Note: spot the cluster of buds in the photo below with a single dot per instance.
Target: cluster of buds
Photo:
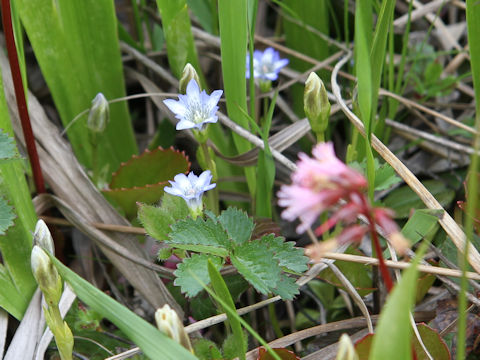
(324, 183)
(50, 284)
(170, 324)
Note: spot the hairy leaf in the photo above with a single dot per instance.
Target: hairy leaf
(157, 220)
(199, 235)
(286, 288)
(7, 146)
(257, 265)
(196, 264)
(287, 255)
(6, 216)
(237, 224)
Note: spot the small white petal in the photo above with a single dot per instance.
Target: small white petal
(193, 91)
(214, 98)
(176, 107)
(184, 124)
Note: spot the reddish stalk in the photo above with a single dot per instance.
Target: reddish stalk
(20, 97)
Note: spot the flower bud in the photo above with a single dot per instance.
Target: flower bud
(46, 275)
(188, 74)
(99, 114)
(43, 238)
(169, 323)
(346, 350)
(316, 103)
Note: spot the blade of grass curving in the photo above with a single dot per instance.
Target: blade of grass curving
(76, 45)
(221, 290)
(16, 244)
(178, 35)
(233, 45)
(363, 69)
(473, 26)
(232, 312)
(377, 56)
(153, 343)
(394, 342)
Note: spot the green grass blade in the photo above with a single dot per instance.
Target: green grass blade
(233, 36)
(16, 244)
(178, 34)
(221, 290)
(473, 28)
(153, 343)
(394, 342)
(76, 45)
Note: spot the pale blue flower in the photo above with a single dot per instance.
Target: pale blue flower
(191, 189)
(266, 64)
(196, 108)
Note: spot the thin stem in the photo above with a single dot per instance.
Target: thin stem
(20, 97)
(212, 195)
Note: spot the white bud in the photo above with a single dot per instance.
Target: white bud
(188, 74)
(346, 350)
(99, 114)
(46, 275)
(43, 238)
(169, 323)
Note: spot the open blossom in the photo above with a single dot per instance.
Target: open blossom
(317, 185)
(191, 189)
(195, 109)
(266, 64)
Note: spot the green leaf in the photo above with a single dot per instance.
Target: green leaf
(157, 220)
(178, 34)
(433, 342)
(403, 199)
(222, 292)
(143, 178)
(9, 296)
(6, 216)
(286, 288)
(76, 46)
(196, 264)
(257, 265)
(7, 146)
(237, 224)
(286, 253)
(207, 350)
(422, 223)
(199, 235)
(153, 343)
(394, 342)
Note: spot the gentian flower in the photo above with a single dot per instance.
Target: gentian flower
(266, 64)
(191, 189)
(195, 109)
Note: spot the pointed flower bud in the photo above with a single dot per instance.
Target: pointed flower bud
(346, 350)
(188, 74)
(43, 238)
(46, 275)
(169, 323)
(316, 103)
(99, 114)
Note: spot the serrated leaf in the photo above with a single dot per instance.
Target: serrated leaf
(207, 350)
(286, 288)
(164, 253)
(199, 235)
(7, 146)
(6, 216)
(143, 178)
(237, 224)
(284, 251)
(157, 220)
(196, 264)
(257, 265)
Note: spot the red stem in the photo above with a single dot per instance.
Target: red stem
(378, 249)
(20, 96)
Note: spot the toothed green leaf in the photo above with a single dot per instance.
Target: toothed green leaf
(6, 216)
(237, 224)
(257, 265)
(286, 288)
(287, 255)
(7, 146)
(199, 235)
(198, 265)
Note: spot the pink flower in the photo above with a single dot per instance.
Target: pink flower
(317, 185)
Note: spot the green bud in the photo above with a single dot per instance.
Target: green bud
(43, 238)
(169, 323)
(265, 86)
(99, 114)
(46, 275)
(188, 74)
(316, 103)
(346, 350)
